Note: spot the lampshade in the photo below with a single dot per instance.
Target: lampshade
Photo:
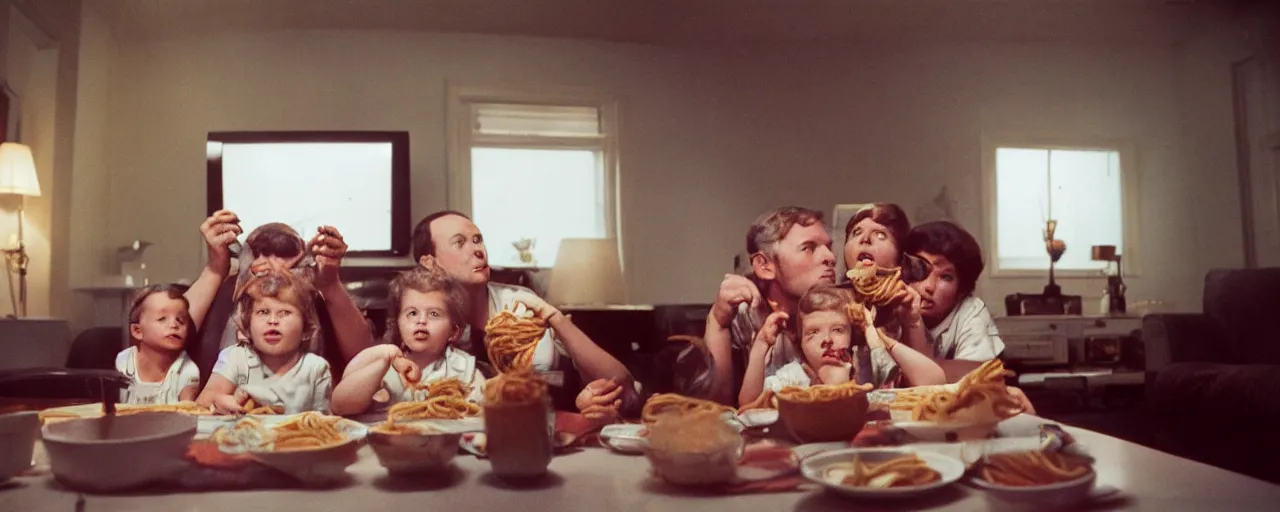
(1104, 253)
(18, 170)
(588, 271)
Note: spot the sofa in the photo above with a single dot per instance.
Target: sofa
(1213, 379)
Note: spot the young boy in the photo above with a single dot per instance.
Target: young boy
(159, 324)
(429, 319)
(273, 368)
(837, 337)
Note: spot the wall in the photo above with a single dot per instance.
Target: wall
(711, 136)
(31, 72)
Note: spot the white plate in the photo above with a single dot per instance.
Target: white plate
(624, 438)
(934, 432)
(949, 469)
(756, 418)
(205, 425)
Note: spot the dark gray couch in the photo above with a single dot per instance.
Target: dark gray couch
(1214, 378)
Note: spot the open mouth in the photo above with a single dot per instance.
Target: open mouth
(836, 356)
(421, 334)
(273, 336)
(865, 256)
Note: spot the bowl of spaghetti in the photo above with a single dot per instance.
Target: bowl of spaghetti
(1035, 478)
(823, 413)
(967, 410)
(413, 447)
(697, 448)
(313, 448)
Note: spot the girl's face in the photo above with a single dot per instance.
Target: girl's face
(275, 327)
(825, 338)
(870, 240)
(424, 321)
(940, 292)
(162, 325)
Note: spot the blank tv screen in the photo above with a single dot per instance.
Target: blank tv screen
(348, 185)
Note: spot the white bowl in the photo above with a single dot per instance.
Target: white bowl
(426, 451)
(118, 452)
(316, 466)
(695, 469)
(1065, 493)
(949, 470)
(624, 437)
(755, 418)
(954, 432)
(18, 434)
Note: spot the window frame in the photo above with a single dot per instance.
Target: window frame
(461, 139)
(1129, 196)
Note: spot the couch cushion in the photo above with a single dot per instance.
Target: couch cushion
(1239, 396)
(1240, 303)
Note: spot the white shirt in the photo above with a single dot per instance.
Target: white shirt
(455, 364)
(305, 387)
(181, 375)
(790, 374)
(968, 333)
(874, 366)
(503, 296)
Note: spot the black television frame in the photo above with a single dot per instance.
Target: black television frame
(400, 192)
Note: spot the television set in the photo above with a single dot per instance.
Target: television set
(357, 182)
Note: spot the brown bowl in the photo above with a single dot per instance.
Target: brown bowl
(827, 421)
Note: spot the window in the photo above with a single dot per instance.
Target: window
(533, 167)
(1085, 188)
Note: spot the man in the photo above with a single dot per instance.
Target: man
(276, 247)
(790, 252)
(449, 242)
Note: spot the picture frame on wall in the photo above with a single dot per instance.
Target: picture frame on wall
(840, 216)
(9, 113)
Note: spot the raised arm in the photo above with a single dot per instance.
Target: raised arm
(220, 231)
(349, 324)
(734, 290)
(753, 380)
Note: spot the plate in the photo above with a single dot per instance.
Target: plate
(1058, 494)
(624, 438)
(949, 469)
(934, 432)
(756, 418)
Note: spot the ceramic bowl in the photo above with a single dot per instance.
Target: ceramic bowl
(118, 452)
(697, 468)
(1038, 497)
(18, 434)
(830, 420)
(423, 450)
(318, 466)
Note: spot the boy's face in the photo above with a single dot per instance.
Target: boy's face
(825, 338)
(162, 324)
(940, 291)
(275, 327)
(424, 322)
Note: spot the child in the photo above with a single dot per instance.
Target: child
(838, 342)
(429, 318)
(159, 325)
(276, 314)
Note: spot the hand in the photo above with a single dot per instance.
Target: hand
(734, 290)
(329, 249)
(832, 374)
(390, 352)
(598, 398)
(406, 369)
(869, 316)
(1021, 398)
(908, 307)
(230, 404)
(768, 333)
(535, 305)
(220, 231)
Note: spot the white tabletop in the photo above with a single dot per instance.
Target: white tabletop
(597, 479)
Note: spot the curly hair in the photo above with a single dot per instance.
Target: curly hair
(284, 288)
(423, 280)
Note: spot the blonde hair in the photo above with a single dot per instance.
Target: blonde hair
(284, 288)
(423, 280)
(829, 298)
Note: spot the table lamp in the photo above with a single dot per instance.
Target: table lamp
(588, 272)
(18, 177)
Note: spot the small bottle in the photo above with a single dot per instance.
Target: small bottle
(1106, 302)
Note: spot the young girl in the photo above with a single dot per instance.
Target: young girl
(276, 314)
(159, 325)
(429, 319)
(837, 337)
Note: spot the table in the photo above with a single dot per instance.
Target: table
(597, 479)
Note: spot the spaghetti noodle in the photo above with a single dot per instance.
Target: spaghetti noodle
(511, 338)
(664, 404)
(822, 392)
(520, 387)
(986, 383)
(251, 407)
(873, 285)
(446, 399)
(309, 430)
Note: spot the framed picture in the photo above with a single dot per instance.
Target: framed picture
(9, 113)
(839, 217)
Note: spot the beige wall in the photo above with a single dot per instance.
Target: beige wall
(716, 135)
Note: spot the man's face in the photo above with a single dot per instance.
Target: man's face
(460, 251)
(802, 260)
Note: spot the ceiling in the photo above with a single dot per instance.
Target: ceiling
(678, 21)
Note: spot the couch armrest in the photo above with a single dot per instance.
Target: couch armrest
(1180, 338)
